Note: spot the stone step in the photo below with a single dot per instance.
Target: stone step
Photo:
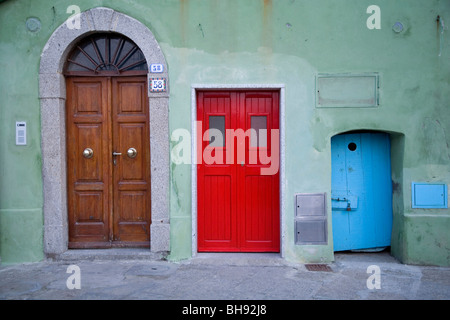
(109, 254)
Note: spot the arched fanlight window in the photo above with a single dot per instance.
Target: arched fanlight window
(106, 54)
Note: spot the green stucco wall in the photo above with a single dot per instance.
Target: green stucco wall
(21, 218)
(244, 42)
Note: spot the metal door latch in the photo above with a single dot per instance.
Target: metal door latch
(351, 202)
(114, 157)
(339, 199)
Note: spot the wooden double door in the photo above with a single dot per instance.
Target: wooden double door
(238, 185)
(108, 162)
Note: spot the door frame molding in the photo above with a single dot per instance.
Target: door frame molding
(236, 87)
(52, 96)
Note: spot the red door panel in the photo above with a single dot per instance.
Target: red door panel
(238, 206)
(217, 228)
(259, 201)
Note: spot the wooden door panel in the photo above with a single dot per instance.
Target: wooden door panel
(361, 180)
(109, 204)
(87, 178)
(131, 98)
(89, 206)
(132, 224)
(132, 135)
(132, 197)
(86, 135)
(88, 97)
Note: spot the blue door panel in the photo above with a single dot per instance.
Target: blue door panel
(381, 189)
(361, 191)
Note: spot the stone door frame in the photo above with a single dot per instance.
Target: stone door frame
(52, 96)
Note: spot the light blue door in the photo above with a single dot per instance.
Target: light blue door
(361, 191)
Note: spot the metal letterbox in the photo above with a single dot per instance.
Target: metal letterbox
(310, 205)
(310, 219)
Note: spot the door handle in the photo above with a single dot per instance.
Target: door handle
(114, 156)
(132, 153)
(88, 153)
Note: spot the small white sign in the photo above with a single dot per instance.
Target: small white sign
(157, 85)
(156, 68)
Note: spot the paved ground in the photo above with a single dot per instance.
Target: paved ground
(224, 277)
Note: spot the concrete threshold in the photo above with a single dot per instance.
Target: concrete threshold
(109, 254)
(209, 258)
(237, 259)
(213, 258)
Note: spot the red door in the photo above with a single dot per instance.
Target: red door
(237, 174)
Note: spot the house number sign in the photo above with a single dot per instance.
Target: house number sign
(156, 68)
(157, 85)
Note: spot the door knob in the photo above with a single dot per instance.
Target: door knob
(132, 153)
(88, 153)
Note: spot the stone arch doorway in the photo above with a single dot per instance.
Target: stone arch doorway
(108, 147)
(52, 94)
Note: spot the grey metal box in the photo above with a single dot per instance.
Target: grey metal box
(311, 231)
(310, 204)
(311, 219)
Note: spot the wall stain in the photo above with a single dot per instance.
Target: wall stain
(53, 18)
(267, 23)
(396, 187)
(175, 185)
(183, 20)
(201, 29)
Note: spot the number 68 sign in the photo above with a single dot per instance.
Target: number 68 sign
(157, 85)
